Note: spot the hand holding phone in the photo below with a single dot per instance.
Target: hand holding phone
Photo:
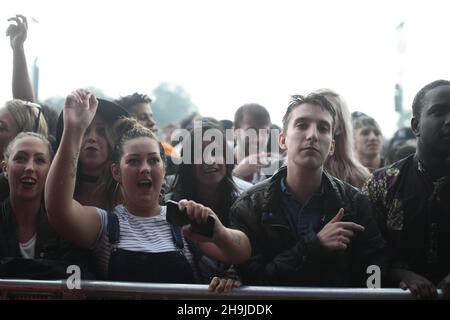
(180, 218)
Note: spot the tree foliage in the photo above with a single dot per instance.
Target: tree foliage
(171, 104)
(57, 102)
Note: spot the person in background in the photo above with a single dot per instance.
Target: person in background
(368, 142)
(252, 129)
(20, 116)
(21, 83)
(343, 164)
(139, 107)
(411, 199)
(196, 127)
(94, 184)
(210, 183)
(14, 116)
(402, 144)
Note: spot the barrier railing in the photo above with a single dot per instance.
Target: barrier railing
(31, 289)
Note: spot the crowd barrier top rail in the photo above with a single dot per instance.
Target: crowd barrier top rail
(11, 288)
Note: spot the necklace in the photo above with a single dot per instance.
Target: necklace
(86, 178)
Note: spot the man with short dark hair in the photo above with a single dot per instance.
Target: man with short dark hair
(411, 199)
(139, 107)
(307, 228)
(252, 128)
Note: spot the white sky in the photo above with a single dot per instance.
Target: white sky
(229, 52)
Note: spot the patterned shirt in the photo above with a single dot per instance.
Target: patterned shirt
(413, 212)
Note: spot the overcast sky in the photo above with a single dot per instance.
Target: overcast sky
(230, 52)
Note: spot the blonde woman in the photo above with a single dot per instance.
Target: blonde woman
(343, 164)
(29, 247)
(20, 116)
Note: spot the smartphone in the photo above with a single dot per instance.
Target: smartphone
(180, 218)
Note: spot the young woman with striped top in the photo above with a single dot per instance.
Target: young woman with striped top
(135, 242)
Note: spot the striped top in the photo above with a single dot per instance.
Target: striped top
(140, 234)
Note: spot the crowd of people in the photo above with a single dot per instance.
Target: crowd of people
(314, 202)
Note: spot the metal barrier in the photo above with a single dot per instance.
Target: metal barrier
(44, 290)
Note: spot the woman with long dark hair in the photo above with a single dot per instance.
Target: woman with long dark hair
(210, 184)
(208, 181)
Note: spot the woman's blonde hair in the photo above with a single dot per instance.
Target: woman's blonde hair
(343, 164)
(23, 135)
(28, 116)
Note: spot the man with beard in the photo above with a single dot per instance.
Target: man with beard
(411, 199)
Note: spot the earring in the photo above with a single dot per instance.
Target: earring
(115, 188)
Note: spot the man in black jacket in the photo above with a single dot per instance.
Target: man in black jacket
(306, 227)
(411, 199)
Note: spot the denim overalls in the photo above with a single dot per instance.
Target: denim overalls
(164, 267)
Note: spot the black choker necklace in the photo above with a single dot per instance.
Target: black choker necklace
(86, 178)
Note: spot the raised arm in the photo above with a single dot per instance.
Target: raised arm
(79, 224)
(21, 83)
(227, 245)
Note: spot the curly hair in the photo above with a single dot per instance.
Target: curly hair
(131, 100)
(417, 105)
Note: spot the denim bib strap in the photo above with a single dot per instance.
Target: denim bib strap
(113, 228)
(177, 236)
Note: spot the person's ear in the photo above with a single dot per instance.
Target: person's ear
(415, 127)
(115, 170)
(282, 141)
